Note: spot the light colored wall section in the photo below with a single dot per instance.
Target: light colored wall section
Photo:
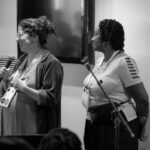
(8, 22)
(73, 113)
(134, 15)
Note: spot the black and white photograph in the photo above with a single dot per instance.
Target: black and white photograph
(74, 74)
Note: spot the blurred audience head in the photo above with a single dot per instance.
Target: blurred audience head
(14, 143)
(60, 139)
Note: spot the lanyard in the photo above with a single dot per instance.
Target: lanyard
(99, 69)
(99, 64)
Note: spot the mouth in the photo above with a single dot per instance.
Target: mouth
(21, 46)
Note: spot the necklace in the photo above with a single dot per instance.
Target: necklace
(102, 66)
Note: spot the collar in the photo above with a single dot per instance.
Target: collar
(101, 59)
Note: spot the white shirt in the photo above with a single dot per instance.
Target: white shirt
(117, 74)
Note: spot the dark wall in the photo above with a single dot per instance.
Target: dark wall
(71, 43)
(33, 8)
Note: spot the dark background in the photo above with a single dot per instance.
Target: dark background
(68, 47)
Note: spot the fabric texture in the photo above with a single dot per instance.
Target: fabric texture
(120, 72)
(101, 136)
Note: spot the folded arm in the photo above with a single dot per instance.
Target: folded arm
(140, 96)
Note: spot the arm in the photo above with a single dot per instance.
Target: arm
(22, 87)
(49, 82)
(7, 72)
(140, 96)
(129, 76)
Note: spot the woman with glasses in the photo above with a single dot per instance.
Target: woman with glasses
(36, 82)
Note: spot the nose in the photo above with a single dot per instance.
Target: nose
(18, 38)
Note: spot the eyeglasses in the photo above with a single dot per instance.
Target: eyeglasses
(22, 36)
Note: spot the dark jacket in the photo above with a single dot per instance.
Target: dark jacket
(49, 78)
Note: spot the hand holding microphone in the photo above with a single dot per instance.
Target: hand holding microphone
(5, 71)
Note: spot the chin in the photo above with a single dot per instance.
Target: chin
(22, 50)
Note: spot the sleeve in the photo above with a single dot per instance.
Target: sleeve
(128, 72)
(50, 91)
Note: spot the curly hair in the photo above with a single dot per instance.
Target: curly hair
(60, 139)
(113, 32)
(40, 27)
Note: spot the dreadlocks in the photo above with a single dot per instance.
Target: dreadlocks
(113, 32)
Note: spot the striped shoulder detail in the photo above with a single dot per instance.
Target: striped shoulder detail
(132, 67)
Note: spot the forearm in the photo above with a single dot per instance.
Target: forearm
(140, 96)
(33, 93)
(142, 107)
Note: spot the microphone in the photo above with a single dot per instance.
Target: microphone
(84, 61)
(85, 58)
(87, 66)
(8, 63)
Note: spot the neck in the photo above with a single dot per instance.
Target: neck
(34, 51)
(33, 54)
(108, 53)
